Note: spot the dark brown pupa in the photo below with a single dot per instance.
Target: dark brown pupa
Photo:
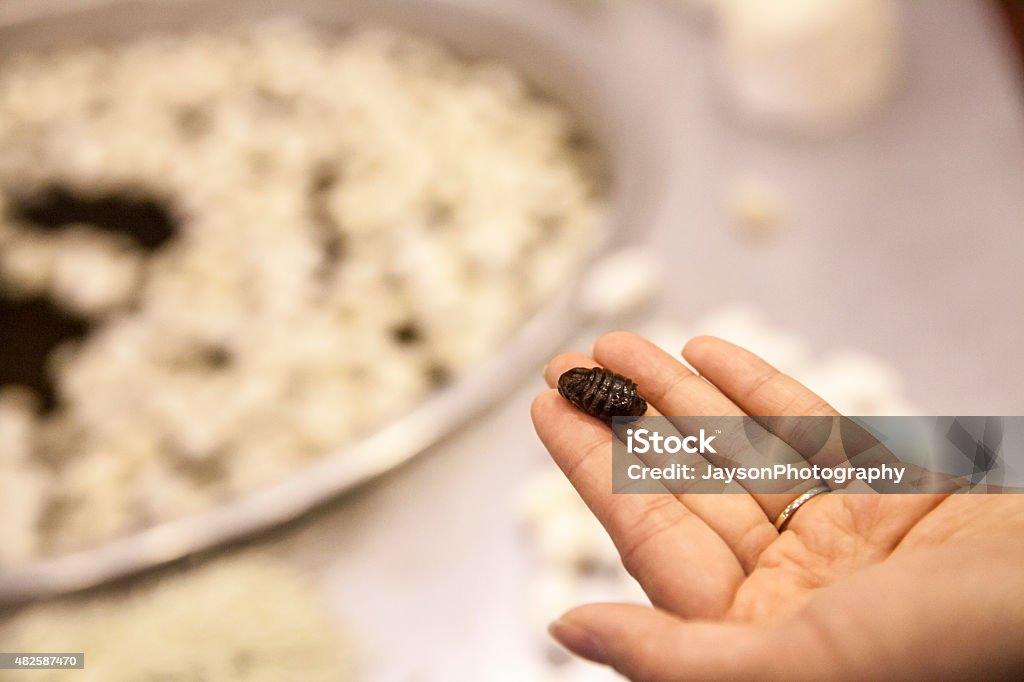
(601, 393)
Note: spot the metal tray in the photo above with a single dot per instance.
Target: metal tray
(565, 54)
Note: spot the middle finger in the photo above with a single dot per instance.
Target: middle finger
(678, 392)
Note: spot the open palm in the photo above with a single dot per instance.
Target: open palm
(858, 585)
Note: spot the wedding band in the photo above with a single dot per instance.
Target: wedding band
(787, 513)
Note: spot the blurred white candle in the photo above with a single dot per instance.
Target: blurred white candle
(812, 66)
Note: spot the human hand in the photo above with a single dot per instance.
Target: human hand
(857, 586)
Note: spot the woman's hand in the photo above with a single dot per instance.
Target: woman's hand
(858, 585)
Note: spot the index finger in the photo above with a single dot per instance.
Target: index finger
(666, 547)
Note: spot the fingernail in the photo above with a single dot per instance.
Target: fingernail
(578, 641)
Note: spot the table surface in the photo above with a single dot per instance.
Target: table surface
(902, 238)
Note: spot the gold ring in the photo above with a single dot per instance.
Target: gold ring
(786, 514)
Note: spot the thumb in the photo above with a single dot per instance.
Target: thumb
(652, 646)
